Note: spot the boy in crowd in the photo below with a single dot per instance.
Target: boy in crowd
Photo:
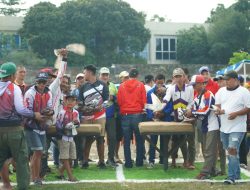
(39, 99)
(67, 121)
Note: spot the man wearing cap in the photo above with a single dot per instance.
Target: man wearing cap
(132, 100)
(233, 104)
(123, 76)
(38, 98)
(93, 95)
(201, 109)
(12, 139)
(110, 115)
(182, 96)
(211, 85)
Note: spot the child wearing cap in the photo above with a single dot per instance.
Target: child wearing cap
(67, 121)
(39, 99)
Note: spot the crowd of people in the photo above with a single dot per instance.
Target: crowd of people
(217, 107)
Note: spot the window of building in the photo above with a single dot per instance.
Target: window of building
(165, 48)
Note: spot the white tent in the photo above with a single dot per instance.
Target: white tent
(242, 68)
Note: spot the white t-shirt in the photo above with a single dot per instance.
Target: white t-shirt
(232, 101)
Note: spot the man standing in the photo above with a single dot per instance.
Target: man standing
(110, 116)
(211, 85)
(203, 101)
(93, 94)
(132, 99)
(20, 76)
(182, 96)
(12, 139)
(233, 102)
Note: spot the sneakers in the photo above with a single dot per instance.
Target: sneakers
(111, 163)
(38, 182)
(150, 165)
(101, 165)
(202, 176)
(85, 165)
(229, 181)
(244, 166)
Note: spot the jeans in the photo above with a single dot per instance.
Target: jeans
(154, 139)
(232, 140)
(129, 127)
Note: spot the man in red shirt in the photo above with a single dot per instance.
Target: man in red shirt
(211, 85)
(131, 100)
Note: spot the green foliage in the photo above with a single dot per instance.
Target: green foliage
(228, 32)
(107, 28)
(7, 8)
(227, 35)
(193, 46)
(239, 56)
(23, 57)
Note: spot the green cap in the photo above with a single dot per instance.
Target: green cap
(230, 74)
(7, 69)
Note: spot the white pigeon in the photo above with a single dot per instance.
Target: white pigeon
(156, 105)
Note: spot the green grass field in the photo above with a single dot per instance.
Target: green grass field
(137, 173)
(144, 186)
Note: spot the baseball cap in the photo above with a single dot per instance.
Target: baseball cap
(79, 75)
(123, 74)
(218, 77)
(203, 68)
(230, 74)
(49, 71)
(42, 76)
(7, 69)
(178, 72)
(104, 70)
(241, 79)
(70, 95)
(197, 79)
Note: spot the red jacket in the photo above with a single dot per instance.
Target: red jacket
(131, 97)
(212, 86)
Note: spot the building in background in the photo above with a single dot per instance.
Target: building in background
(161, 48)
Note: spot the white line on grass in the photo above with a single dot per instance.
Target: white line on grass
(244, 171)
(119, 173)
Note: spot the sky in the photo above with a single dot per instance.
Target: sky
(192, 11)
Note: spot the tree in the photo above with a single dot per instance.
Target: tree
(8, 7)
(193, 46)
(227, 35)
(109, 29)
(239, 56)
(157, 18)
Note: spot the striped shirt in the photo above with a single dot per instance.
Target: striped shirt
(180, 98)
(201, 110)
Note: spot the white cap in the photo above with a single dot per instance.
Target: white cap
(123, 74)
(79, 75)
(104, 70)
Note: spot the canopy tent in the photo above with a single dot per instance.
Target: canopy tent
(242, 68)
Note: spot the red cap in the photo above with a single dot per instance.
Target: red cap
(197, 79)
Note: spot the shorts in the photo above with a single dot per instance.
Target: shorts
(101, 121)
(67, 150)
(35, 141)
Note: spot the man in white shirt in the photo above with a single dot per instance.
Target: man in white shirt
(233, 102)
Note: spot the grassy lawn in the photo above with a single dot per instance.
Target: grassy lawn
(144, 186)
(143, 173)
(172, 173)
